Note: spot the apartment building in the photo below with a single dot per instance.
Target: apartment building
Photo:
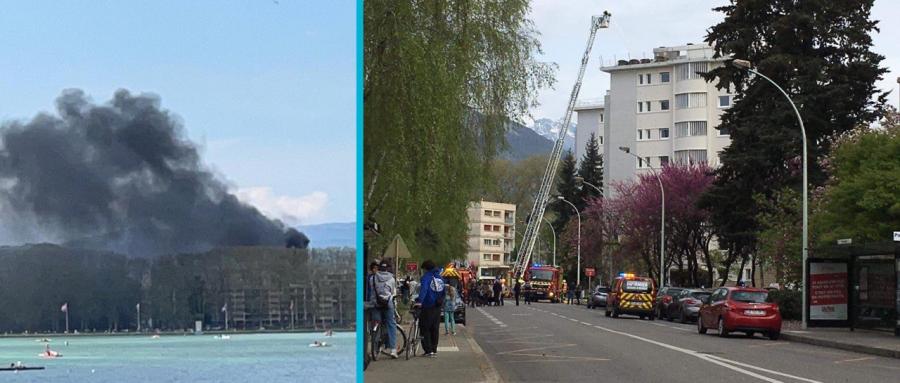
(662, 109)
(590, 120)
(492, 237)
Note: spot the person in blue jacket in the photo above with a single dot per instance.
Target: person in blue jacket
(431, 299)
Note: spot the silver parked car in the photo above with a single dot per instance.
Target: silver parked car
(598, 297)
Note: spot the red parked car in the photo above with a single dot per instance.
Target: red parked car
(740, 309)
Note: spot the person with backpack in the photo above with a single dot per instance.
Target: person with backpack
(431, 299)
(384, 288)
(528, 292)
(517, 289)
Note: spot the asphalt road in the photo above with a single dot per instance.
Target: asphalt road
(547, 342)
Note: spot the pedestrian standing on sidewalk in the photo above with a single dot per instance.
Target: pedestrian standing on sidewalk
(449, 309)
(516, 289)
(431, 299)
(473, 293)
(498, 291)
(384, 288)
(570, 294)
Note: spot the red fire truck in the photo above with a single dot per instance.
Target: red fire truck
(545, 282)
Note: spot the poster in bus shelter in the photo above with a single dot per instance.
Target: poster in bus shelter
(828, 291)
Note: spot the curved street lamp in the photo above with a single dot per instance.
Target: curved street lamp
(662, 208)
(578, 214)
(746, 65)
(554, 239)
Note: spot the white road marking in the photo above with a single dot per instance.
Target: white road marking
(447, 348)
(491, 318)
(854, 360)
(730, 364)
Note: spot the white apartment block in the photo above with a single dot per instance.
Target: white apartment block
(492, 237)
(662, 109)
(590, 120)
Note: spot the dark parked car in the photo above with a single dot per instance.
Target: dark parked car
(687, 305)
(598, 297)
(664, 298)
(741, 309)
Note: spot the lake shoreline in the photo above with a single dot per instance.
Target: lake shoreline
(173, 333)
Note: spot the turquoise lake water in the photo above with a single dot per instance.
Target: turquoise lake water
(175, 358)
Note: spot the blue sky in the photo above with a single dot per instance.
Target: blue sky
(265, 88)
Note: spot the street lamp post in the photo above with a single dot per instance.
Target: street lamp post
(581, 180)
(552, 230)
(662, 225)
(578, 214)
(744, 64)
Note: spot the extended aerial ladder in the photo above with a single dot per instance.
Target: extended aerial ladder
(540, 201)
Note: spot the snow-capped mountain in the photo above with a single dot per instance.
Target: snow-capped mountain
(549, 129)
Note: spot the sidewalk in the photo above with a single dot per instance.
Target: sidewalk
(458, 357)
(879, 343)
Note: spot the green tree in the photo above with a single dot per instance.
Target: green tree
(441, 80)
(591, 169)
(862, 198)
(566, 187)
(819, 51)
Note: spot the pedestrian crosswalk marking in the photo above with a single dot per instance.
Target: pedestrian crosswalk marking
(447, 348)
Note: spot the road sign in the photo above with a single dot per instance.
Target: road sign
(589, 271)
(897, 236)
(411, 266)
(845, 241)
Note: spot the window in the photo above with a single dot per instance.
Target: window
(648, 78)
(488, 242)
(601, 118)
(496, 228)
(496, 213)
(663, 160)
(496, 257)
(663, 104)
(690, 100)
(690, 128)
(487, 213)
(486, 257)
(724, 101)
(664, 133)
(689, 71)
(723, 131)
(487, 227)
(643, 163)
(641, 79)
(643, 134)
(690, 157)
(663, 76)
(600, 140)
(640, 107)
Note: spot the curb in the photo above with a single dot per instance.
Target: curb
(487, 369)
(842, 346)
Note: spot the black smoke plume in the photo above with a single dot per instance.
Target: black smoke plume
(121, 177)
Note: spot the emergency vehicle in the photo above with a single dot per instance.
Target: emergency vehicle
(632, 295)
(545, 282)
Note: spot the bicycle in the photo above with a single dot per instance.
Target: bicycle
(380, 337)
(414, 337)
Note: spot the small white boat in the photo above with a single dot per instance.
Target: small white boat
(319, 344)
(155, 336)
(43, 340)
(224, 337)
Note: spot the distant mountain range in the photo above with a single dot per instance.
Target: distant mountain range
(330, 234)
(524, 141)
(549, 129)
